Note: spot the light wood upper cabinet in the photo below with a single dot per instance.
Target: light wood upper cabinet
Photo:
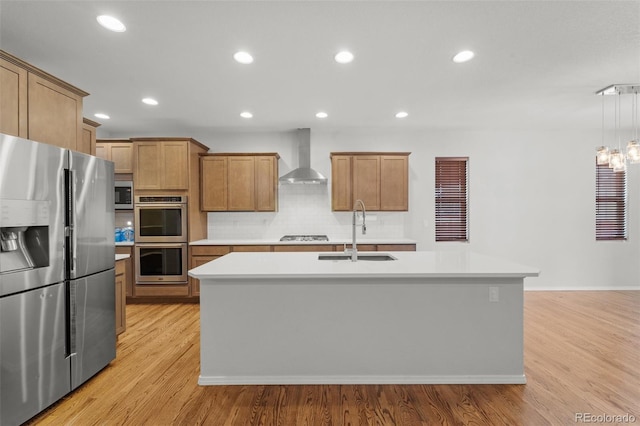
(55, 114)
(213, 190)
(13, 99)
(394, 182)
(88, 143)
(160, 165)
(239, 182)
(120, 151)
(341, 183)
(380, 180)
(38, 106)
(266, 183)
(366, 180)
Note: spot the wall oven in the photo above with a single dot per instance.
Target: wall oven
(158, 263)
(161, 219)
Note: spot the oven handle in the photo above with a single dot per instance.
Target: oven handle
(161, 245)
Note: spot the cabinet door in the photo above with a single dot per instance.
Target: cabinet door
(175, 161)
(266, 183)
(102, 151)
(147, 173)
(55, 114)
(121, 153)
(121, 295)
(366, 180)
(394, 193)
(13, 100)
(241, 184)
(213, 188)
(88, 143)
(341, 197)
(195, 262)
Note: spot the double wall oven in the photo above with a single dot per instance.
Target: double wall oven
(161, 239)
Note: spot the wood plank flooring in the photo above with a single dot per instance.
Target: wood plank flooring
(582, 355)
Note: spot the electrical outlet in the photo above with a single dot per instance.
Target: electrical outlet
(494, 294)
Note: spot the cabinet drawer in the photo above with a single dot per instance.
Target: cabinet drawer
(251, 248)
(396, 247)
(210, 250)
(318, 247)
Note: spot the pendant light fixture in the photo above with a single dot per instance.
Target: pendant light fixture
(615, 157)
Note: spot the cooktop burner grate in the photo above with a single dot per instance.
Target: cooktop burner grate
(304, 238)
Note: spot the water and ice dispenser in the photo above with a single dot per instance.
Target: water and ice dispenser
(24, 235)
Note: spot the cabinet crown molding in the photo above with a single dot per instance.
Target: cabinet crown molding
(368, 153)
(41, 73)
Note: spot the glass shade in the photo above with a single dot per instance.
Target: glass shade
(633, 152)
(602, 155)
(617, 161)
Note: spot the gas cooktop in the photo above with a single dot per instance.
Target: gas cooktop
(304, 238)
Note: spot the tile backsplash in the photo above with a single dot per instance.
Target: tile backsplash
(303, 209)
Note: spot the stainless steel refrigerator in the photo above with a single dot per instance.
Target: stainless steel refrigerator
(57, 277)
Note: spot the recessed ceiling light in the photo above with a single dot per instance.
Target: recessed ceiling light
(111, 23)
(150, 101)
(322, 114)
(402, 114)
(243, 57)
(464, 56)
(344, 57)
(101, 115)
(246, 114)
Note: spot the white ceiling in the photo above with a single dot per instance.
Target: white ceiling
(537, 64)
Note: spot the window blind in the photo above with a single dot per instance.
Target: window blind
(451, 199)
(611, 204)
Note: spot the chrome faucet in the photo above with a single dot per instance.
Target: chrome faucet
(354, 247)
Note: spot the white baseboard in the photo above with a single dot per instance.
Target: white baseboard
(360, 380)
(616, 288)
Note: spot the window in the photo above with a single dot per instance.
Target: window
(451, 199)
(611, 204)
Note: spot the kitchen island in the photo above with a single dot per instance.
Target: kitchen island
(426, 317)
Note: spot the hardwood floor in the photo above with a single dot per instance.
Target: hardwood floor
(582, 355)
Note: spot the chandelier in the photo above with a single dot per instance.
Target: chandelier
(616, 157)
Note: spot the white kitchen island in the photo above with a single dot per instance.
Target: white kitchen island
(427, 317)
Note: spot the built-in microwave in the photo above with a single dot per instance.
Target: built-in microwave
(124, 195)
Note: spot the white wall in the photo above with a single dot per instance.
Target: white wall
(531, 198)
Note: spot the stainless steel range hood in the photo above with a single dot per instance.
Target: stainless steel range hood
(304, 173)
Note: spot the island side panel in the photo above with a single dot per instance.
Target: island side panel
(361, 330)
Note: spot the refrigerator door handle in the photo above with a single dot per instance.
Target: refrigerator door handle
(71, 314)
(69, 179)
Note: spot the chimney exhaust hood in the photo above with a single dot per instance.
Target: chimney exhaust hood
(304, 174)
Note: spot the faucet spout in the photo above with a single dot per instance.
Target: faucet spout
(354, 246)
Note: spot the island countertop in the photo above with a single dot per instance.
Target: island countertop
(434, 264)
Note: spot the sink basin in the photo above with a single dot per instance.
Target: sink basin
(379, 257)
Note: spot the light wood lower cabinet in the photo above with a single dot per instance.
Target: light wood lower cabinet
(199, 255)
(122, 282)
(130, 267)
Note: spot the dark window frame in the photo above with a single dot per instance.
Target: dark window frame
(611, 204)
(452, 199)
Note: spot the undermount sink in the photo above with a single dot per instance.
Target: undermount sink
(362, 256)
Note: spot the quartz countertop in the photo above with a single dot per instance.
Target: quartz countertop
(276, 241)
(416, 264)
(124, 243)
(122, 256)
